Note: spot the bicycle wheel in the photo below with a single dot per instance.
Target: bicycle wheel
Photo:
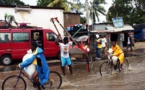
(105, 68)
(125, 65)
(14, 83)
(54, 82)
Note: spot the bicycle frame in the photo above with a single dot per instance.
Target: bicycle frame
(19, 75)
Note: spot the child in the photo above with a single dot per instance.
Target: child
(64, 50)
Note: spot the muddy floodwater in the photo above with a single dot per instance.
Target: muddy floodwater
(133, 79)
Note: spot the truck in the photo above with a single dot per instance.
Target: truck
(139, 32)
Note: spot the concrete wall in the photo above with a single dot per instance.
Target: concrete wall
(39, 17)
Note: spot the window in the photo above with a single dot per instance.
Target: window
(50, 36)
(5, 37)
(20, 37)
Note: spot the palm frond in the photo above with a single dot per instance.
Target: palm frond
(97, 15)
(100, 11)
(65, 6)
(76, 5)
(53, 3)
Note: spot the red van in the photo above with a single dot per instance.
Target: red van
(14, 43)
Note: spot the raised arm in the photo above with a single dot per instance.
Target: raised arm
(58, 39)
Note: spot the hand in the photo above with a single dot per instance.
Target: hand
(111, 56)
(59, 35)
(18, 66)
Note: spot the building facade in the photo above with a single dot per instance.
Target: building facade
(35, 16)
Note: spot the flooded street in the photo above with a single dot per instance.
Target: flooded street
(133, 79)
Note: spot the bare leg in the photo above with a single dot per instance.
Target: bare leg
(70, 69)
(63, 70)
(34, 78)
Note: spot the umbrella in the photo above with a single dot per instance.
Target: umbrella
(82, 38)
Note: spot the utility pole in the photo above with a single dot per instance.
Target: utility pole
(87, 11)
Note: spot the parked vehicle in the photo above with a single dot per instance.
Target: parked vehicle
(139, 35)
(14, 43)
(139, 32)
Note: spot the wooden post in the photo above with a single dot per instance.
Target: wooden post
(52, 19)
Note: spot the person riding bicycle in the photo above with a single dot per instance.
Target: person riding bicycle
(42, 69)
(117, 51)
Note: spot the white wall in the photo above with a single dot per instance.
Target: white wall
(36, 17)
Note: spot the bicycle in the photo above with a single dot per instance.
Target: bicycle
(107, 66)
(17, 82)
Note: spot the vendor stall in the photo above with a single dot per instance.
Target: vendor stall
(114, 34)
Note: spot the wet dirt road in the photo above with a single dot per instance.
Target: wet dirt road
(134, 79)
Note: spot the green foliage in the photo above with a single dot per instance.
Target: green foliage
(68, 6)
(96, 9)
(11, 2)
(83, 20)
(43, 3)
(59, 4)
(129, 11)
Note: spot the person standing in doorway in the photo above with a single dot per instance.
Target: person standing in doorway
(129, 42)
(98, 46)
(38, 40)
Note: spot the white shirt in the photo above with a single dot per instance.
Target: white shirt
(104, 41)
(64, 49)
(128, 42)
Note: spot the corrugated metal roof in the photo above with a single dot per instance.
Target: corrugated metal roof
(110, 28)
(125, 28)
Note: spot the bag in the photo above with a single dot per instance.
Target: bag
(31, 68)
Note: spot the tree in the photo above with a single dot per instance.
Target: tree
(68, 6)
(74, 5)
(119, 9)
(59, 4)
(43, 3)
(11, 2)
(95, 9)
(140, 4)
(83, 20)
(132, 11)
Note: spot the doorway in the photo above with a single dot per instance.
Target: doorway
(37, 36)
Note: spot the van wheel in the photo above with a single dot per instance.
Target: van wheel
(58, 55)
(6, 60)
